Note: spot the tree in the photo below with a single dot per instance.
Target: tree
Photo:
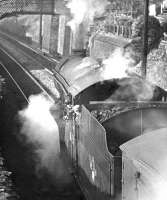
(155, 33)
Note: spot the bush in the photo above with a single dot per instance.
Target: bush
(155, 31)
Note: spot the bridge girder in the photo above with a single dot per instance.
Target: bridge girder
(22, 7)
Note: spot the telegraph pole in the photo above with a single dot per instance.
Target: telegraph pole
(40, 25)
(16, 7)
(145, 39)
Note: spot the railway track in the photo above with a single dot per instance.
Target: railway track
(35, 54)
(31, 59)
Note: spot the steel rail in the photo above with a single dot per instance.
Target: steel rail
(25, 72)
(54, 73)
(15, 82)
(57, 76)
(23, 45)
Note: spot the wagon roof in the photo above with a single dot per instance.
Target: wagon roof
(149, 151)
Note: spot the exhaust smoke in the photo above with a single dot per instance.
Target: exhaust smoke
(84, 11)
(41, 131)
(133, 89)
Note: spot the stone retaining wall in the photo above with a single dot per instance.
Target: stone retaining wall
(103, 46)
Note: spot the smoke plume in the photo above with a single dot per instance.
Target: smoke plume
(41, 130)
(83, 11)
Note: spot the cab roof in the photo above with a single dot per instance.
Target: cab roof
(80, 73)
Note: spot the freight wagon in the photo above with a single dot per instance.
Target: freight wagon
(97, 125)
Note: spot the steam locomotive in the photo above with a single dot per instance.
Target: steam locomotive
(99, 124)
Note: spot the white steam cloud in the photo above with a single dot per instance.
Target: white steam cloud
(116, 65)
(84, 11)
(132, 87)
(41, 130)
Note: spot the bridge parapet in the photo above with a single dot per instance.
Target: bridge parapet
(14, 7)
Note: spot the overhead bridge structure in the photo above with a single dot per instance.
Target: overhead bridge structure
(47, 29)
(16, 7)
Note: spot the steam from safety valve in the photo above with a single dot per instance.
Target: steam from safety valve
(41, 130)
(122, 66)
(116, 65)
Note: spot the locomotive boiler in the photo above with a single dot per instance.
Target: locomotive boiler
(99, 119)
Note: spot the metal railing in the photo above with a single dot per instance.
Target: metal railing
(119, 30)
(10, 7)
